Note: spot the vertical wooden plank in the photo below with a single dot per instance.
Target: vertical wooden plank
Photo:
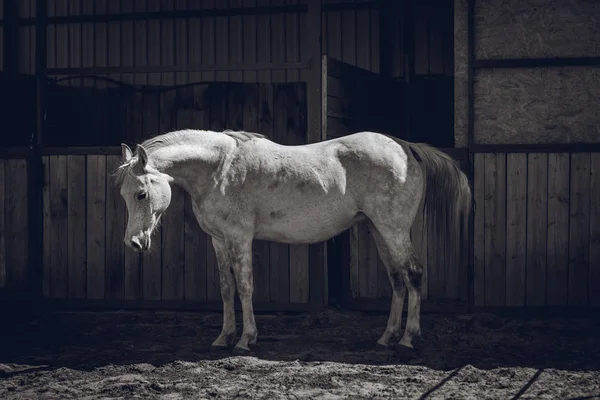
(494, 229)
(96, 226)
(263, 37)
(113, 47)
(47, 229)
(208, 42)
(235, 41)
(537, 212)
(2, 224)
(181, 52)
(75, 56)
(557, 255)
(292, 42)
(262, 116)
(121, 281)
(221, 44)
(594, 279)
(100, 38)
(58, 212)
(87, 36)
(194, 41)
(77, 279)
(280, 281)
(51, 36)
(250, 44)
(516, 225)
(15, 221)
(127, 44)
(479, 230)
(579, 229)
(62, 36)
(278, 42)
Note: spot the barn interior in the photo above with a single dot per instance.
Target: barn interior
(508, 89)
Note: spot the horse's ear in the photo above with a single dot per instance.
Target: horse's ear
(127, 153)
(142, 156)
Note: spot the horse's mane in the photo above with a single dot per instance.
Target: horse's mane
(160, 140)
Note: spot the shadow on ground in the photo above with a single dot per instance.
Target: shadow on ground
(86, 341)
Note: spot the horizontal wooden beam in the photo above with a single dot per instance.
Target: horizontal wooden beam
(176, 68)
(215, 12)
(537, 62)
(536, 148)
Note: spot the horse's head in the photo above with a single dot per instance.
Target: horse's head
(147, 194)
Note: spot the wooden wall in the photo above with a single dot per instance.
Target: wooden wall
(13, 224)
(84, 215)
(536, 229)
(535, 144)
(351, 36)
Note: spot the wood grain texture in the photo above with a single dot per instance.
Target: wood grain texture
(516, 229)
(59, 253)
(122, 280)
(557, 258)
(96, 226)
(579, 229)
(495, 229)
(537, 213)
(76, 223)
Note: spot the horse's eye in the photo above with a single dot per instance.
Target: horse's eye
(141, 196)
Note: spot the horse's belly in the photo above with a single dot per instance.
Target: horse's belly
(306, 224)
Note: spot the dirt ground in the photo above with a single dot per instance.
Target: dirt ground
(326, 355)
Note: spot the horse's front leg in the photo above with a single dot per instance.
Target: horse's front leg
(227, 283)
(241, 256)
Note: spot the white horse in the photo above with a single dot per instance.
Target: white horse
(244, 187)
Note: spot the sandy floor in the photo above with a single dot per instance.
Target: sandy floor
(329, 355)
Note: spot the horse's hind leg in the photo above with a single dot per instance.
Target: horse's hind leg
(394, 323)
(405, 273)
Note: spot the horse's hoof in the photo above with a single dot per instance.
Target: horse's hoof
(404, 353)
(240, 351)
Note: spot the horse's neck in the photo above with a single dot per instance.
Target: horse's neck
(191, 165)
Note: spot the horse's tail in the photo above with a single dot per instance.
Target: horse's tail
(447, 193)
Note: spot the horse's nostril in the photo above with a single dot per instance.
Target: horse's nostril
(136, 244)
